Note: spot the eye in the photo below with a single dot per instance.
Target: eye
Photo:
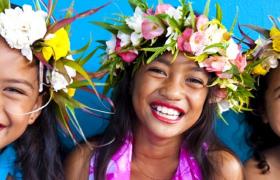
(195, 82)
(14, 90)
(157, 71)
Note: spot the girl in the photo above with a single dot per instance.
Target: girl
(169, 68)
(35, 78)
(265, 118)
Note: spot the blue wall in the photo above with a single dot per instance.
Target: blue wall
(250, 12)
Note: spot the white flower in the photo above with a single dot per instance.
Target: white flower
(223, 106)
(22, 27)
(260, 44)
(175, 13)
(232, 50)
(58, 81)
(272, 62)
(135, 21)
(125, 38)
(136, 38)
(111, 45)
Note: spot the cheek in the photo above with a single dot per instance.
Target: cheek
(11, 133)
(274, 117)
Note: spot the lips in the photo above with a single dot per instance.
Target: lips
(166, 112)
(2, 126)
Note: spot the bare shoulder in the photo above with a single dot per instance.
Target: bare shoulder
(76, 165)
(229, 167)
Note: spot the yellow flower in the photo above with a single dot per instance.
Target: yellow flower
(71, 92)
(275, 36)
(259, 70)
(57, 46)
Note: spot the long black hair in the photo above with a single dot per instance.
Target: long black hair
(261, 136)
(38, 151)
(124, 120)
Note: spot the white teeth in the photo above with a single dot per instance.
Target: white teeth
(164, 111)
(171, 117)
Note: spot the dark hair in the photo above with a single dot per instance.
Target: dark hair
(261, 136)
(124, 120)
(38, 155)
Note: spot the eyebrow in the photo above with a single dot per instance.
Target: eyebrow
(276, 89)
(167, 62)
(19, 81)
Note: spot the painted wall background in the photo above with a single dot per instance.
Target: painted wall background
(249, 12)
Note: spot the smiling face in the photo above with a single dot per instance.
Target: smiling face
(272, 101)
(167, 97)
(18, 94)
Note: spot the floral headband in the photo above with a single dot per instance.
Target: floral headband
(170, 29)
(39, 37)
(265, 51)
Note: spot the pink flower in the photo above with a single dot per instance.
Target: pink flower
(197, 41)
(216, 64)
(219, 94)
(183, 41)
(150, 11)
(201, 22)
(151, 30)
(240, 62)
(127, 56)
(163, 8)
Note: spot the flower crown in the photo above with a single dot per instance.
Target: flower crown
(170, 29)
(265, 51)
(39, 37)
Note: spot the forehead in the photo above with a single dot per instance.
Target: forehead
(274, 79)
(14, 65)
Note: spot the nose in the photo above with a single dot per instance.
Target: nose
(172, 89)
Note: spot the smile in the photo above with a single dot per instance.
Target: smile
(167, 113)
(2, 126)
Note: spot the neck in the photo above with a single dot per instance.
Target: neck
(152, 154)
(148, 146)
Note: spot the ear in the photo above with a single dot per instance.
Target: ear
(33, 116)
(265, 118)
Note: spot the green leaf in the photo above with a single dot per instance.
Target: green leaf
(206, 8)
(219, 13)
(140, 3)
(4, 4)
(234, 21)
(106, 26)
(88, 57)
(82, 49)
(160, 51)
(192, 15)
(79, 84)
(218, 45)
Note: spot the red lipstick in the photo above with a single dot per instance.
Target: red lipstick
(163, 118)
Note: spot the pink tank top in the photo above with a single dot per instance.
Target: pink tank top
(119, 166)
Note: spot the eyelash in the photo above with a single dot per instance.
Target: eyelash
(191, 79)
(157, 70)
(14, 90)
(195, 80)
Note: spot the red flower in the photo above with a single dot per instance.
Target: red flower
(127, 56)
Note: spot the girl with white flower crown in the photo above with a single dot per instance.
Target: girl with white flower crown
(169, 68)
(38, 79)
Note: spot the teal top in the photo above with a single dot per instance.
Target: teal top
(7, 164)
